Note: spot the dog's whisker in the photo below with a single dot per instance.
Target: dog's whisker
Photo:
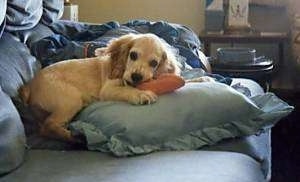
(125, 83)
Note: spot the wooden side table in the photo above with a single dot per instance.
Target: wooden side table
(278, 38)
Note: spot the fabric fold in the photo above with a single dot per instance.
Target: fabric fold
(52, 11)
(17, 65)
(23, 15)
(83, 36)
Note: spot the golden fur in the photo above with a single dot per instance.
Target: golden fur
(62, 89)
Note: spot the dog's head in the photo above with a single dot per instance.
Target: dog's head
(138, 58)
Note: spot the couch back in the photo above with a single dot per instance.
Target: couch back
(22, 23)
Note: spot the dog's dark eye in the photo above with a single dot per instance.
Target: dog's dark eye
(153, 63)
(133, 56)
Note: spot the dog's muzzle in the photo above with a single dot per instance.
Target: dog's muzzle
(136, 78)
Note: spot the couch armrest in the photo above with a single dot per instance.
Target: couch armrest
(12, 137)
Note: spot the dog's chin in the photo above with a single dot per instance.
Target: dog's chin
(128, 83)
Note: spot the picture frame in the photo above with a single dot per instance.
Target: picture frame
(238, 14)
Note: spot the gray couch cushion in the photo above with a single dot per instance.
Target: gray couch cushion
(16, 66)
(12, 138)
(256, 146)
(191, 166)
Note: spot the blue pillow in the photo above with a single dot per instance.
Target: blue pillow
(196, 115)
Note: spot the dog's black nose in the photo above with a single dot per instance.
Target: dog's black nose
(136, 77)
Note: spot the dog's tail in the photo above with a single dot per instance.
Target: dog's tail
(24, 93)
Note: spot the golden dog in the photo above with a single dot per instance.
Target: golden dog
(62, 89)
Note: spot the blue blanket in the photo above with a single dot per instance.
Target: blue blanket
(74, 40)
(23, 15)
(52, 11)
(71, 38)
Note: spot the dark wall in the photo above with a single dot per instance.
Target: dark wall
(268, 18)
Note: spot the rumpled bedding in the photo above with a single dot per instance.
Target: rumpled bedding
(52, 11)
(29, 20)
(78, 40)
(72, 39)
(22, 15)
(33, 35)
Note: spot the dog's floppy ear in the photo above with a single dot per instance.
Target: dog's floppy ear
(118, 50)
(167, 64)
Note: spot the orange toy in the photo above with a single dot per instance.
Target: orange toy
(165, 83)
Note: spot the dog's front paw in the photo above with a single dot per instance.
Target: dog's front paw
(202, 79)
(143, 97)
